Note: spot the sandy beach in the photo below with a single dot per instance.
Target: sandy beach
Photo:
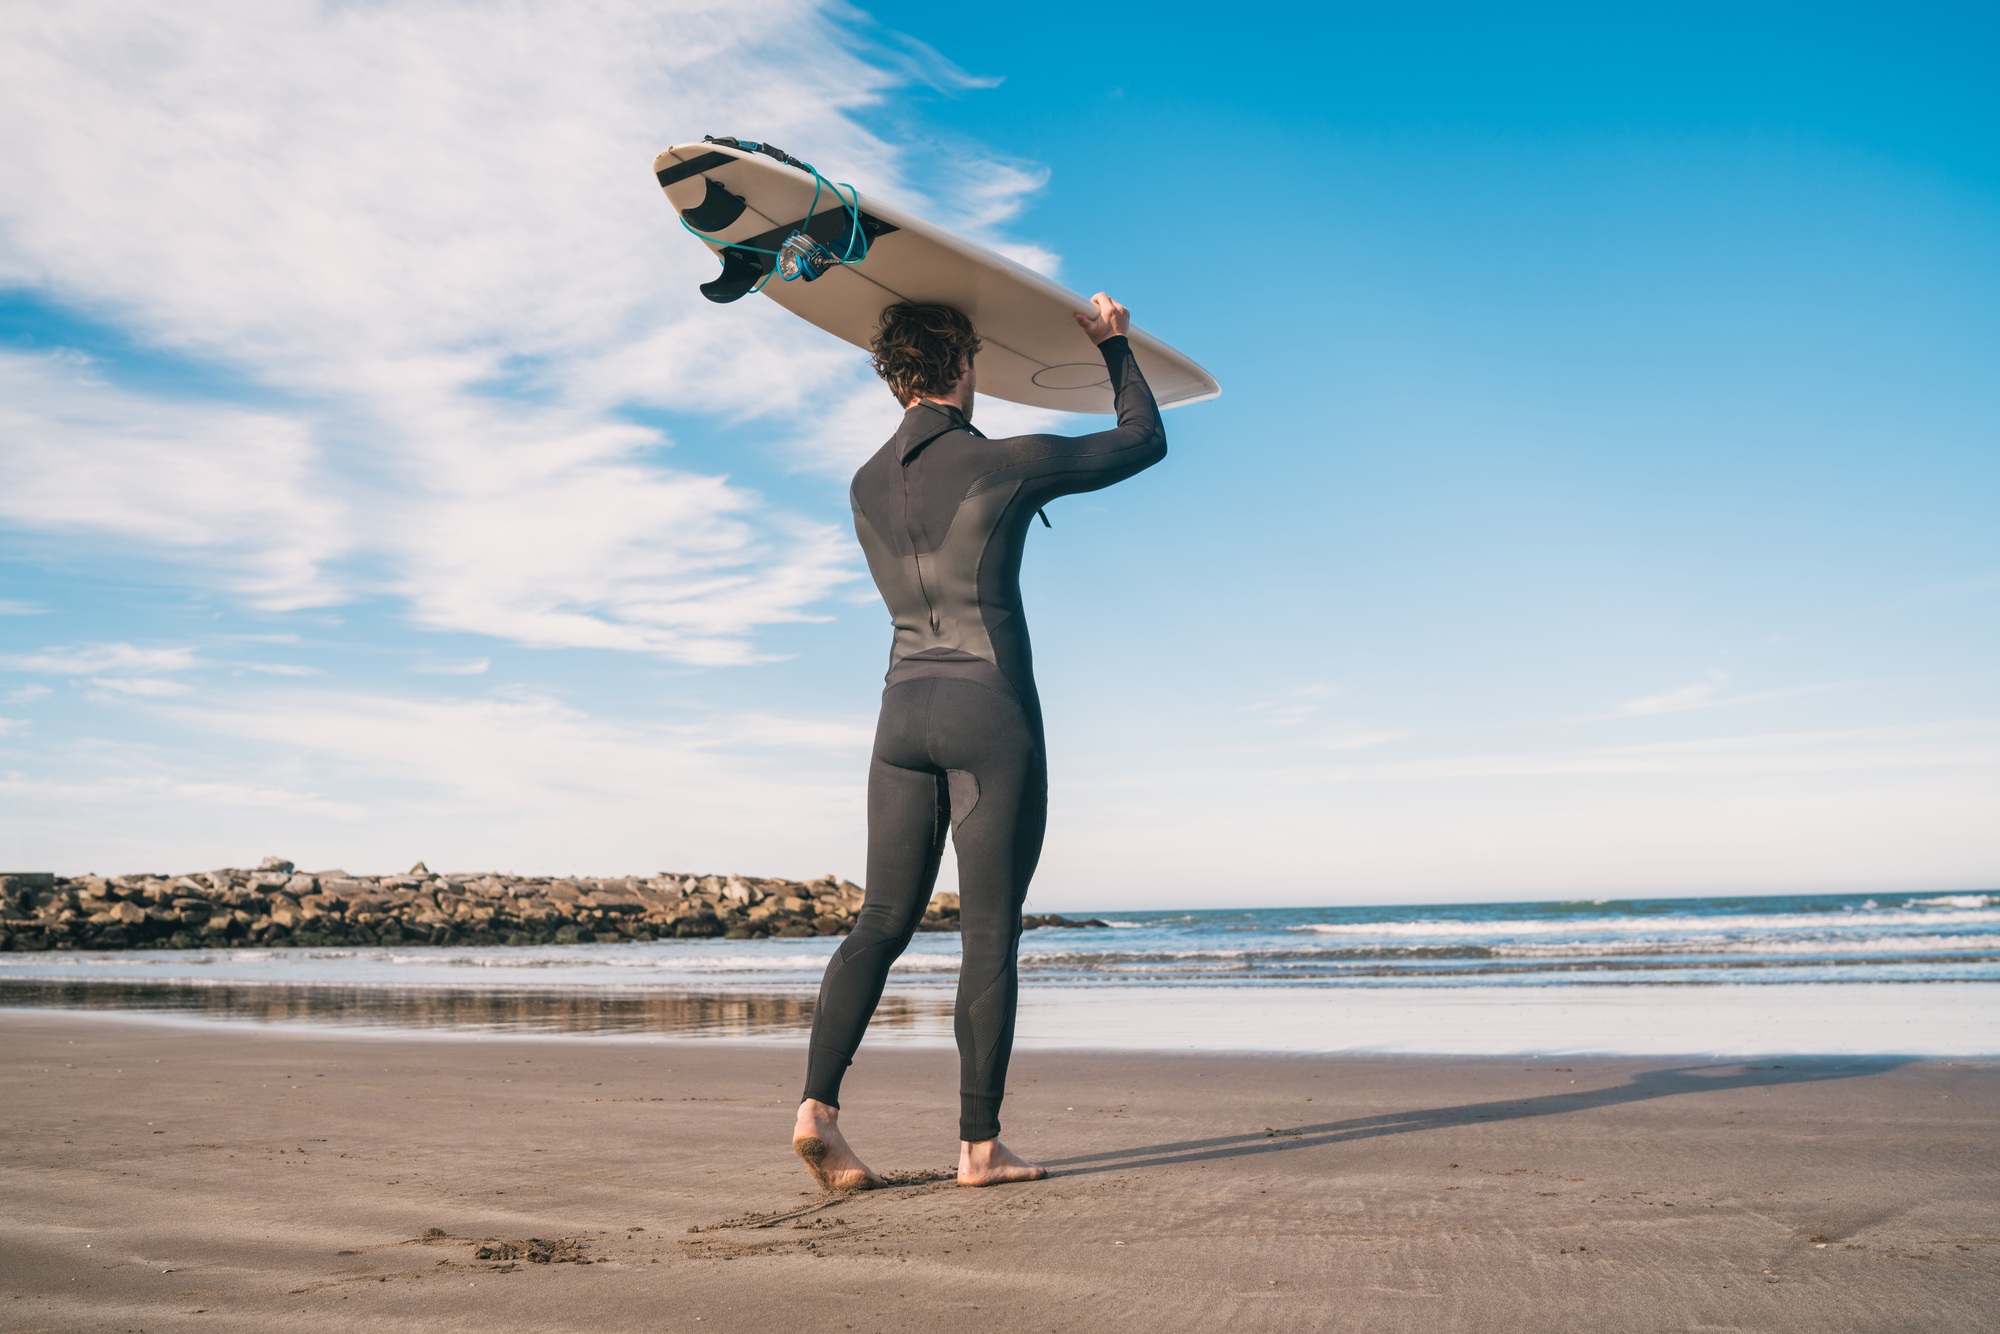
(192, 1176)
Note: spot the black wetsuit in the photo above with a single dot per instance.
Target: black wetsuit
(943, 515)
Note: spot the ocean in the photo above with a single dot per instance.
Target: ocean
(1916, 973)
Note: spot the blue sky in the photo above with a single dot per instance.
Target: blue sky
(1600, 502)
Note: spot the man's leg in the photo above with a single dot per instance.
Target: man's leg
(906, 824)
(907, 820)
(997, 783)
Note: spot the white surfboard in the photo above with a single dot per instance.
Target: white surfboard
(744, 201)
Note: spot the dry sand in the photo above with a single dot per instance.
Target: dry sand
(165, 1176)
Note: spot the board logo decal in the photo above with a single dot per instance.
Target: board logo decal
(1072, 375)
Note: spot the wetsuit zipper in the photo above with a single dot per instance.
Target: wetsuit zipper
(930, 608)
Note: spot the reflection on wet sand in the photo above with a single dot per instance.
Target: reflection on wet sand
(540, 1010)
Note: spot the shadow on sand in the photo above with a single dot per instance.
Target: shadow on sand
(1642, 1087)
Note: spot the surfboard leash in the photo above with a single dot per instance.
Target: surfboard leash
(800, 256)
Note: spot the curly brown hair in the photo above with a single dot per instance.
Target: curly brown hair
(918, 347)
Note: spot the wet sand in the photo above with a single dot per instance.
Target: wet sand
(172, 1176)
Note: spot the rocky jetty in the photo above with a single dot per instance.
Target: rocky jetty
(277, 904)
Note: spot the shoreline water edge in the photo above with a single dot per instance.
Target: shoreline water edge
(1917, 974)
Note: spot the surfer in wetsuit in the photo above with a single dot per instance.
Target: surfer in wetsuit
(943, 513)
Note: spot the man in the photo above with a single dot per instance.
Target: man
(943, 515)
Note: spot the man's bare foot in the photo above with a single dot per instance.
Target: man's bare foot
(817, 1139)
(988, 1162)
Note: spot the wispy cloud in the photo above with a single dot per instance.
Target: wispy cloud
(1967, 743)
(154, 792)
(146, 687)
(98, 659)
(1295, 707)
(919, 61)
(1699, 695)
(11, 725)
(518, 773)
(985, 196)
(1365, 739)
(32, 691)
(1708, 693)
(508, 778)
(1973, 586)
(235, 492)
(460, 667)
(278, 668)
(12, 608)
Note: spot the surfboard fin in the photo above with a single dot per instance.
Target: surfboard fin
(741, 270)
(717, 209)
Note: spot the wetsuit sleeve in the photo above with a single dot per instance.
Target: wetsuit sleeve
(1052, 465)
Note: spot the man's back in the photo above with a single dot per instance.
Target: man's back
(943, 514)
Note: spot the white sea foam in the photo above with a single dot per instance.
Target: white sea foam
(1953, 937)
(1968, 914)
(1821, 944)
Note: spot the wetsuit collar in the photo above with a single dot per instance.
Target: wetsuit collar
(925, 422)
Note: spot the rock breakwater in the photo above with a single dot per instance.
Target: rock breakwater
(276, 904)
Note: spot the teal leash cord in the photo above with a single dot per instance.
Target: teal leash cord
(851, 202)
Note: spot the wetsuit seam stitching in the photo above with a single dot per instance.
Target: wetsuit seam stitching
(930, 706)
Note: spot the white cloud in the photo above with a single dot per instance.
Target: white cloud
(1704, 694)
(277, 668)
(465, 667)
(512, 780)
(795, 734)
(96, 659)
(1295, 707)
(430, 227)
(234, 490)
(1827, 810)
(1968, 743)
(154, 793)
(528, 778)
(571, 540)
(518, 746)
(921, 62)
(11, 608)
(1364, 739)
(32, 691)
(10, 725)
(1699, 695)
(986, 195)
(146, 687)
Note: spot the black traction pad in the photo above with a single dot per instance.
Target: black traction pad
(694, 166)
